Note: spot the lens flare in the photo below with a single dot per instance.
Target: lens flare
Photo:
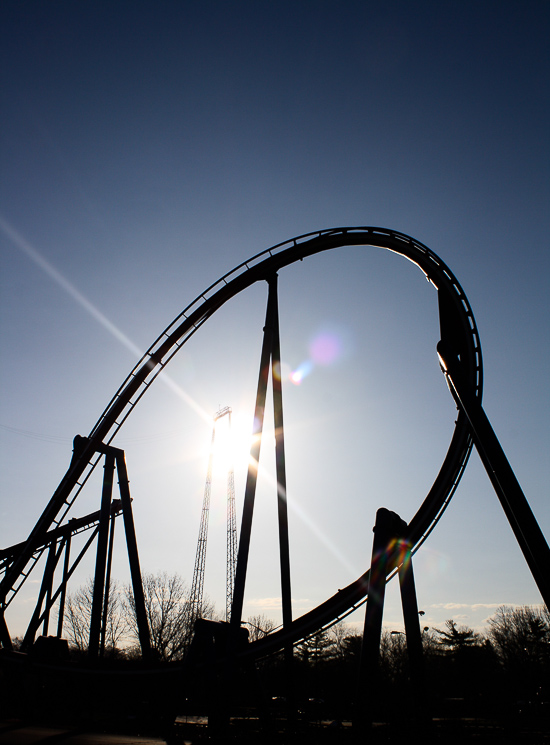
(282, 371)
(301, 372)
(325, 348)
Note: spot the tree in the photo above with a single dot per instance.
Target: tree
(464, 664)
(394, 659)
(258, 627)
(317, 648)
(166, 606)
(521, 636)
(457, 638)
(430, 641)
(351, 646)
(78, 613)
(339, 633)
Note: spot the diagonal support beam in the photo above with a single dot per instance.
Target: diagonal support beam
(66, 563)
(270, 359)
(514, 503)
(282, 508)
(252, 475)
(101, 555)
(41, 614)
(390, 550)
(133, 556)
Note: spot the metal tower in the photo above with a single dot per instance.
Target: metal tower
(197, 587)
(231, 563)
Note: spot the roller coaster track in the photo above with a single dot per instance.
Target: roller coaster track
(71, 528)
(458, 332)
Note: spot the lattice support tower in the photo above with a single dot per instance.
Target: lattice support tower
(197, 587)
(231, 533)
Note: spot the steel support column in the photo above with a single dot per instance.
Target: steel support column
(252, 475)
(49, 588)
(61, 613)
(4, 632)
(386, 527)
(133, 556)
(39, 615)
(411, 619)
(284, 546)
(522, 521)
(282, 507)
(62, 587)
(107, 597)
(101, 555)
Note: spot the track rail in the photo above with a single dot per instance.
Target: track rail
(458, 328)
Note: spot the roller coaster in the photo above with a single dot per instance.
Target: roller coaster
(459, 351)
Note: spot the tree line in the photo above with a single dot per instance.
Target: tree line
(495, 670)
(167, 608)
(510, 661)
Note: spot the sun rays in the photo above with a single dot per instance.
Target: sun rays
(23, 245)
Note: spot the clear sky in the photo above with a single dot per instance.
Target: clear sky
(149, 147)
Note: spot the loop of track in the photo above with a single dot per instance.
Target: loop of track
(259, 268)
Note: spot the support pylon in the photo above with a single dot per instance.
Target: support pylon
(197, 586)
(391, 550)
(231, 535)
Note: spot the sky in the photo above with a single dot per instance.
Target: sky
(150, 147)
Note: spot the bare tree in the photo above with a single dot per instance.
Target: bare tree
(78, 614)
(521, 634)
(394, 658)
(351, 646)
(166, 605)
(338, 634)
(259, 626)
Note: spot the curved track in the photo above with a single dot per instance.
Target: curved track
(458, 329)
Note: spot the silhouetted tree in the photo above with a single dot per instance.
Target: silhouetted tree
(457, 638)
(467, 666)
(259, 626)
(430, 641)
(521, 639)
(338, 634)
(78, 612)
(394, 658)
(316, 649)
(521, 633)
(351, 646)
(166, 604)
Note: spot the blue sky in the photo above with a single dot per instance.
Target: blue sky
(147, 148)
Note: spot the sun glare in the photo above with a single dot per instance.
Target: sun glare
(24, 246)
(232, 440)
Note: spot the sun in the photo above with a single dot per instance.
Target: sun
(232, 438)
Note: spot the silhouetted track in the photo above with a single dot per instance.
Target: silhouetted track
(458, 329)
